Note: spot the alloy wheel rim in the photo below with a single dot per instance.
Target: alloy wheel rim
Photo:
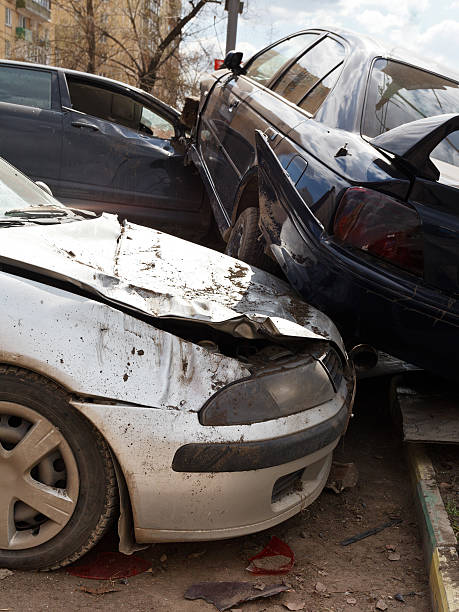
(39, 479)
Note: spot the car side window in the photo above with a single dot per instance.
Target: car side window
(309, 69)
(117, 108)
(27, 87)
(314, 98)
(153, 124)
(263, 68)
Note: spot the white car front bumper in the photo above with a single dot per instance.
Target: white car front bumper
(191, 482)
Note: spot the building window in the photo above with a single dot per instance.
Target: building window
(8, 21)
(7, 49)
(22, 21)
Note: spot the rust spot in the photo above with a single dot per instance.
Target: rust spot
(133, 350)
(141, 352)
(125, 377)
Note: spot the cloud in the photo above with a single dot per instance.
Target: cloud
(441, 42)
(429, 28)
(403, 8)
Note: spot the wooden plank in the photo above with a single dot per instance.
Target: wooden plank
(429, 409)
(430, 419)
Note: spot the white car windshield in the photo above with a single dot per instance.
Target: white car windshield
(19, 194)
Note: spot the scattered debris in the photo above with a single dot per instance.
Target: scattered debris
(381, 605)
(351, 601)
(391, 547)
(370, 532)
(4, 573)
(342, 476)
(294, 602)
(109, 566)
(196, 555)
(100, 590)
(320, 587)
(261, 586)
(399, 597)
(163, 559)
(276, 558)
(225, 595)
(393, 556)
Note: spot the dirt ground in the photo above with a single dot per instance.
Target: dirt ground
(361, 573)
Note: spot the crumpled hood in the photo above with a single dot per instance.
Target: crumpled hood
(164, 276)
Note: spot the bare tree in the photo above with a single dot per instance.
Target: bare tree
(137, 41)
(77, 38)
(150, 38)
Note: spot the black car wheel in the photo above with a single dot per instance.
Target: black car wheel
(57, 480)
(245, 241)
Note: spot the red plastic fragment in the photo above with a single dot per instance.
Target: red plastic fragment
(110, 566)
(275, 548)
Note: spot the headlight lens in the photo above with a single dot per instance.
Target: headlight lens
(269, 395)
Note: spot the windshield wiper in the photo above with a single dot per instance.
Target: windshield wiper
(11, 222)
(37, 213)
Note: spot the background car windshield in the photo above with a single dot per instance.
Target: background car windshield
(18, 192)
(264, 67)
(399, 94)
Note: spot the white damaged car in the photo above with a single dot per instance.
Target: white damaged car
(149, 377)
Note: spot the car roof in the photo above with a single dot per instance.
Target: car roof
(90, 76)
(375, 48)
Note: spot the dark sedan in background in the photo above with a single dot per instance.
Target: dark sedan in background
(339, 160)
(101, 145)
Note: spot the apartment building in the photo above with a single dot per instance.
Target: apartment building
(62, 33)
(25, 30)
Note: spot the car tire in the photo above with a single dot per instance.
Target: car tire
(245, 241)
(59, 468)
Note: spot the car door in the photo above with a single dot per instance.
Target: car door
(228, 121)
(31, 121)
(121, 155)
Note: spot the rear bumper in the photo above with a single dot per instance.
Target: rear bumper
(400, 319)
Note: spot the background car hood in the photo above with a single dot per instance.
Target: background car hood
(163, 276)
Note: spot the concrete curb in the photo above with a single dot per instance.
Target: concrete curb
(439, 541)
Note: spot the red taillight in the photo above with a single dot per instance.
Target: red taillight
(381, 226)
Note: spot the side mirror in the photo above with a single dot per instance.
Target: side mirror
(44, 186)
(233, 61)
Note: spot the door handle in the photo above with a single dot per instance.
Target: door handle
(233, 105)
(82, 124)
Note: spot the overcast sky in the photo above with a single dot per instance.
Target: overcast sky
(429, 27)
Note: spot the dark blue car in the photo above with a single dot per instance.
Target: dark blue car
(340, 160)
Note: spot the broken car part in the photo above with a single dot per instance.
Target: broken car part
(226, 595)
(276, 558)
(370, 532)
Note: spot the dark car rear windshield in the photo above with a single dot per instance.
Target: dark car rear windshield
(398, 94)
